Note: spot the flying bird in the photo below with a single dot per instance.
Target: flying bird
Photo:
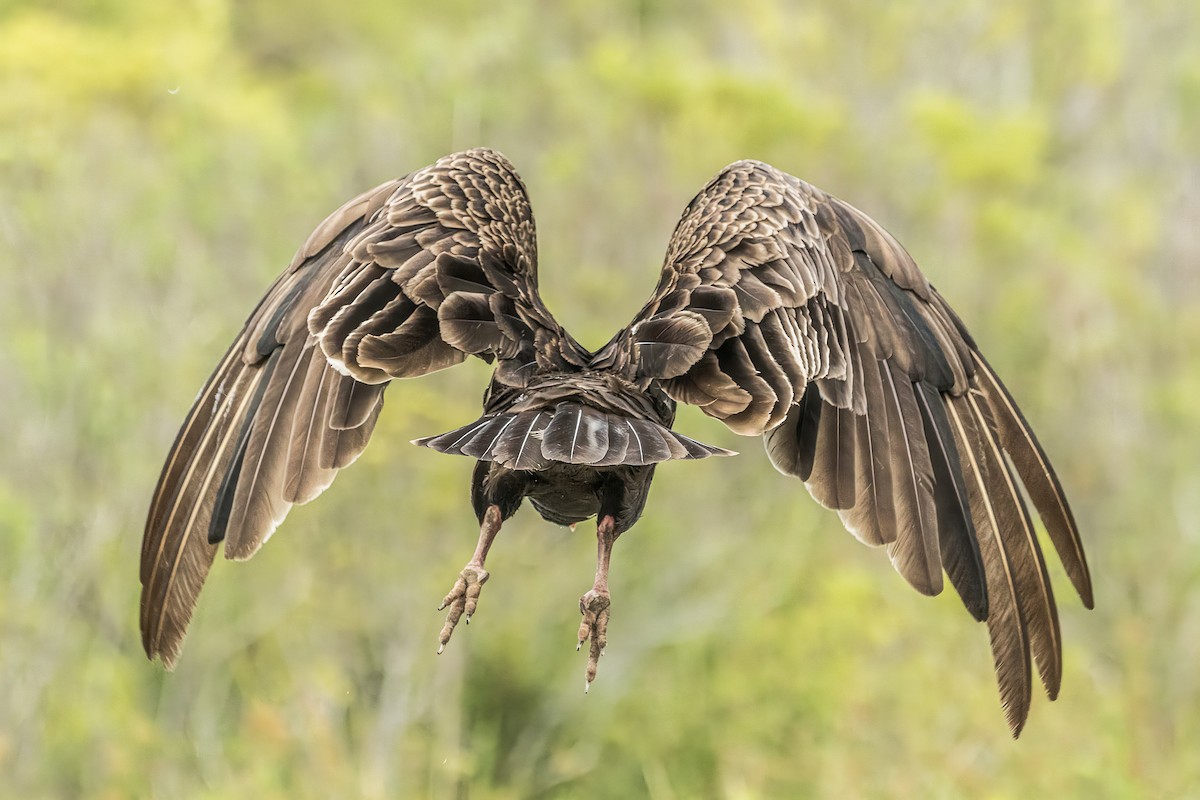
(781, 310)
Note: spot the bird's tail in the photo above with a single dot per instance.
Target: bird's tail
(569, 433)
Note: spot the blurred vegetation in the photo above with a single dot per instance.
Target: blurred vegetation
(159, 162)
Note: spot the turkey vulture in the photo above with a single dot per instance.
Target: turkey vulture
(781, 310)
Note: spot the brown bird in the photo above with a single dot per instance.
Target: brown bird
(781, 310)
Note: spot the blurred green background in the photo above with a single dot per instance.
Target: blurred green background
(159, 163)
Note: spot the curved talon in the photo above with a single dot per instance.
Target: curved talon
(462, 600)
(595, 609)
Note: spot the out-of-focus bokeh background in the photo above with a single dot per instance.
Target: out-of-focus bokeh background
(159, 163)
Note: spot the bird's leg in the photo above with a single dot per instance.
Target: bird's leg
(594, 604)
(465, 594)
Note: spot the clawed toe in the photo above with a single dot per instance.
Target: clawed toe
(595, 609)
(462, 600)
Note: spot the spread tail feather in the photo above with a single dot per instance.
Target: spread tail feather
(569, 433)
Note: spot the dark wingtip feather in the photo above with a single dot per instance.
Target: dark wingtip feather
(1035, 595)
(1006, 621)
(956, 531)
(915, 553)
(176, 552)
(1040, 480)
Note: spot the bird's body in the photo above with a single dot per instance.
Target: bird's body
(573, 443)
(567, 494)
(781, 310)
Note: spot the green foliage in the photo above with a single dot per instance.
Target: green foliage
(160, 162)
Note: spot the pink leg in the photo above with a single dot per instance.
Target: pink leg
(463, 598)
(594, 605)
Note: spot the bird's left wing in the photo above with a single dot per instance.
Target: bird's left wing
(787, 313)
(408, 278)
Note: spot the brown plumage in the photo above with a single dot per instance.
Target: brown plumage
(781, 311)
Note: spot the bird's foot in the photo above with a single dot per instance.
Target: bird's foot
(462, 600)
(594, 607)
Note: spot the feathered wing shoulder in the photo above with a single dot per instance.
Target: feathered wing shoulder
(405, 279)
(787, 313)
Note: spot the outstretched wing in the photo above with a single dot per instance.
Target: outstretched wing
(787, 313)
(406, 279)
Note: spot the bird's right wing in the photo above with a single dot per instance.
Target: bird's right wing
(408, 278)
(787, 313)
